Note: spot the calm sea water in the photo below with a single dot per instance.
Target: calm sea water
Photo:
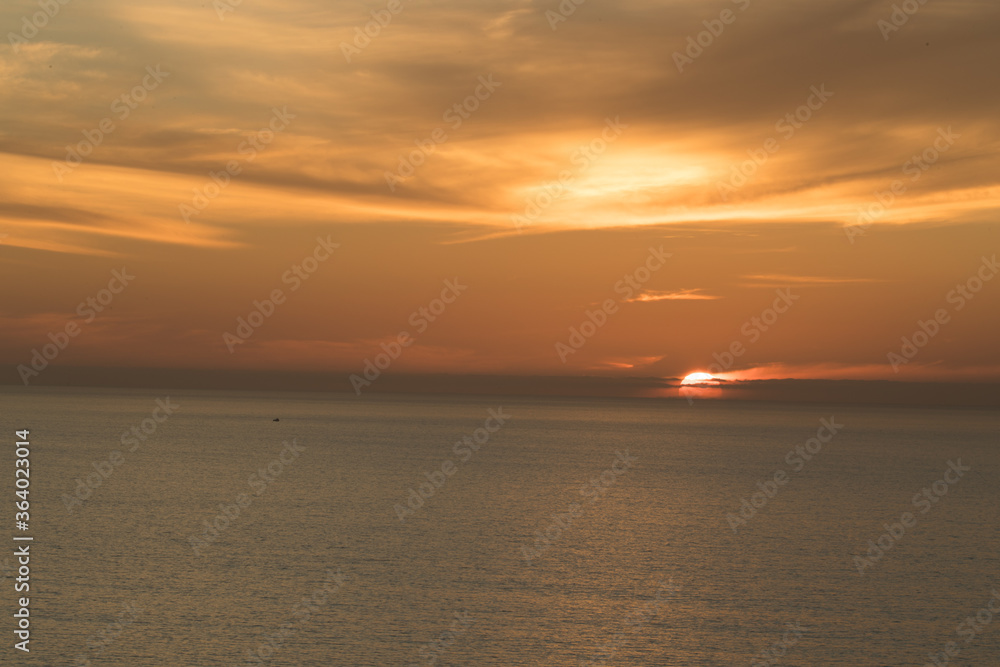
(633, 563)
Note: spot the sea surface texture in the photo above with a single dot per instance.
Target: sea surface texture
(398, 530)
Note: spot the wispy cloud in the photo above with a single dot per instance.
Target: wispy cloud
(861, 371)
(627, 363)
(675, 295)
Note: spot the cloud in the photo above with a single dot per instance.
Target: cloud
(913, 372)
(647, 296)
(356, 121)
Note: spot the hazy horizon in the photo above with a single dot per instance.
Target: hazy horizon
(830, 392)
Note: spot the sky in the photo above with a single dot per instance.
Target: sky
(631, 189)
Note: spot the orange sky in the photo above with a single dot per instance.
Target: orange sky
(555, 154)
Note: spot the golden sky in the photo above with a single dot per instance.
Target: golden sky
(534, 152)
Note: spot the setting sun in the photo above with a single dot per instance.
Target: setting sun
(699, 378)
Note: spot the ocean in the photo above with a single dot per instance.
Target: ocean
(191, 528)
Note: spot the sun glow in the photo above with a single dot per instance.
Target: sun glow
(699, 378)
